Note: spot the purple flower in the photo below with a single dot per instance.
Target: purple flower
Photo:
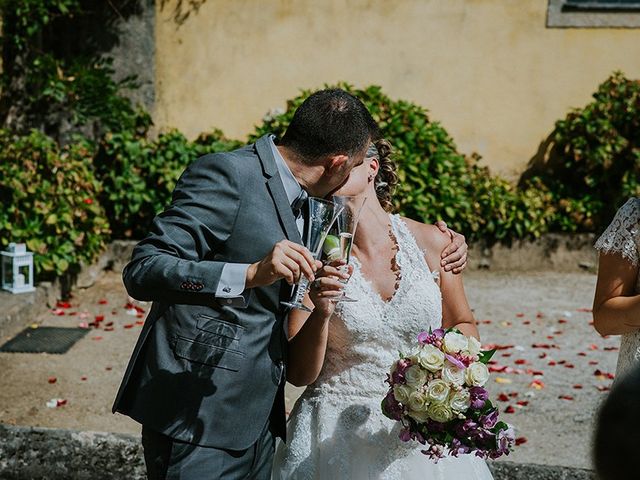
(390, 407)
(454, 361)
(401, 367)
(490, 419)
(479, 397)
(438, 333)
(423, 337)
(467, 428)
(404, 435)
(505, 440)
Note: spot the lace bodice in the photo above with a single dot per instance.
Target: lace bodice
(623, 236)
(365, 336)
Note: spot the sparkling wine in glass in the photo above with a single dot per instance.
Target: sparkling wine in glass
(346, 229)
(322, 215)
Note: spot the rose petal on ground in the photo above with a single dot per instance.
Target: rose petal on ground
(520, 361)
(565, 397)
(99, 318)
(140, 322)
(520, 440)
(577, 386)
(128, 325)
(103, 301)
(83, 325)
(510, 409)
(603, 388)
(503, 380)
(585, 310)
(519, 315)
(61, 402)
(537, 384)
(593, 362)
(503, 397)
(83, 378)
(96, 338)
(52, 379)
(522, 403)
(562, 320)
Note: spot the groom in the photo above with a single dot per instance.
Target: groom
(206, 378)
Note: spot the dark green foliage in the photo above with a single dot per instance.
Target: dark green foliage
(49, 199)
(436, 181)
(592, 164)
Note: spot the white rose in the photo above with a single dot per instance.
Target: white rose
(431, 358)
(440, 412)
(437, 391)
(460, 401)
(453, 374)
(473, 346)
(454, 342)
(417, 402)
(415, 376)
(402, 392)
(419, 416)
(477, 374)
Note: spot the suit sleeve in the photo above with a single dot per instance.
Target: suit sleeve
(177, 262)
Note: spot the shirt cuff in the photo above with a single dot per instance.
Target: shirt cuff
(232, 283)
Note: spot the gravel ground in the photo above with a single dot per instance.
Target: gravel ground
(541, 320)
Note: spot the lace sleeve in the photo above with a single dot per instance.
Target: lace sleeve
(623, 233)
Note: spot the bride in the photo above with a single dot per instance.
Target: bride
(337, 430)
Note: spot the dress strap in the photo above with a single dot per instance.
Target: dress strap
(410, 252)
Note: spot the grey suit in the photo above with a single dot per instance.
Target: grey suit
(205, 371)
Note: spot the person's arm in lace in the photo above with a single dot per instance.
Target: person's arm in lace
(456, 311)
(616, 305)
(308, 332)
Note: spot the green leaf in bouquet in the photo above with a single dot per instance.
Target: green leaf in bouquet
(486, 356)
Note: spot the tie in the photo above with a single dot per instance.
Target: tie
(298, 203)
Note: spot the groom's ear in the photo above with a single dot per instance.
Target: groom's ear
(336, 163)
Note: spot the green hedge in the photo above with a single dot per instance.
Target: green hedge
(66, 202)
(50, 201)
(436, 181)
(592, 164)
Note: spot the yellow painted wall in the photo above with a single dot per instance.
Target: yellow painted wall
(489, 70)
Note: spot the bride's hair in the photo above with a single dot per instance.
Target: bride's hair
(387, 178)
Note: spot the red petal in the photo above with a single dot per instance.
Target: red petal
(519, 315)
(102, 301)
(521, 440)
(520, 361)
(510, 409)
(523, 403)
(83, 378)
(562, 320)
(503, 397)
(577, 386)
(99, 318)
(128, 325)
(52, 380)
(60, 402)
(565, 397)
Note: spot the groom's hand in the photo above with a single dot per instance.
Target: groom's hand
(287, 260)
(454, 257)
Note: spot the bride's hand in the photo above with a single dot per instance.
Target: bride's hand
(454, 257)
(327, 286)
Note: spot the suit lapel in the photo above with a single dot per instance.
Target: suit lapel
(276, 190)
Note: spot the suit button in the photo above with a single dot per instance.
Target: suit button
(229, 301)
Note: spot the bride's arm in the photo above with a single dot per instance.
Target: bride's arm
(308, 333)
(455, 307)
(616, 307)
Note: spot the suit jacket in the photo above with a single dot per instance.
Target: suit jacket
(205, 370)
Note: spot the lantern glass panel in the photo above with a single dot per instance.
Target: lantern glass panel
(7, 280)
(23, 276)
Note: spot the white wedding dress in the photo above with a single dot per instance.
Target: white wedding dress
(623, 236)
(337, 430)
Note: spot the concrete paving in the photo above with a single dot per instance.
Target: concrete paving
(539, 319)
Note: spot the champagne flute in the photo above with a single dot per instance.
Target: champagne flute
(346, 230)
(322, 215)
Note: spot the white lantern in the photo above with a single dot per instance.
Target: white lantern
(17, 269)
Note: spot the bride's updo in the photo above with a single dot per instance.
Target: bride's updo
(387, 178)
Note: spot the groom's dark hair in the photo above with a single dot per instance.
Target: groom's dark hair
(330, 122)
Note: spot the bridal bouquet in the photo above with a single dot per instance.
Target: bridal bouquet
(437, 393)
